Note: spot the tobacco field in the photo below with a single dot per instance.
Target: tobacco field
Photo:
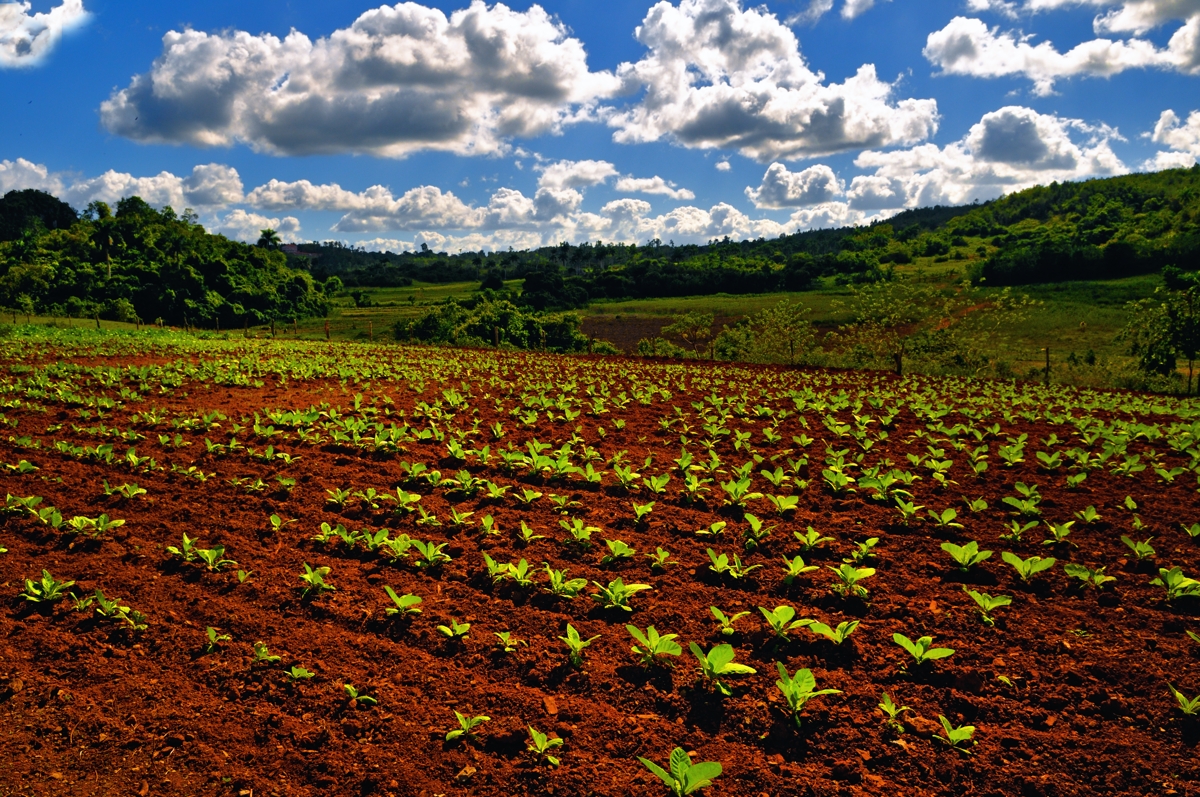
(241, 567)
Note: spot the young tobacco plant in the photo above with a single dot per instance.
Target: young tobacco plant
(849, 578)
(956, 738)
(892, 712)
(1059, 533)
(527, 535)
(46, 590)
(795, 567)
(580, 533)
(507, 642)
(652, 647)
(684, 777)
(735, 569)
(835, 635)
(466, 726)
(213, 558)
(713, 530)
(405, 605)
(1028, 568)
(810, 538)
(966, 556)
(863, 551)
(922, 650)
(214, 639)
(781, 620)
(358, 697)
(618, 551)
(616, 594)
(576, 645)
(1143, 551)
(455, 631)
(432, 555)
(559, 585)
(314, 579)
(1016, 529)
(188, 550)
(264, 656)
(727, 621)
(298, 673)
(1091, 578)
(1191, 707)
(718, 664)
(798, 689)
(540, 745)
(660, 559)
(946, 519)
(756, 533)
(1176, 583)
(987, 604)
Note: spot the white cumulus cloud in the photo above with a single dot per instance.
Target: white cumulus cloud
(575, 174)
(243, 225)
(967, 46)
(781, 188)
(1183, 138)
(400, 79)
(26, 39)
(652, 185)
(1125, 16)
(819, 8)
(720, 76)
(1007, 150)
(21, 174)
(209, 186)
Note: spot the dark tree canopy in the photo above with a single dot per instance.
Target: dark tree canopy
(142, 263)
(20, 209)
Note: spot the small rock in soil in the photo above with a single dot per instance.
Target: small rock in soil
(923, 727)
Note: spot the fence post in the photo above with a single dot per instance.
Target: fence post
(326, 329)
(272, 327)
(296, 327)
(1047, 365)
(899, 363)
(496, 337)
(371, 330)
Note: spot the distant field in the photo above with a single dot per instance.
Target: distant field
(1074, 317)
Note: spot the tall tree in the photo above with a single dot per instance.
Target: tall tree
(268, 239)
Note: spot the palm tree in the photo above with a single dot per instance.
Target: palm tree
(268, 239)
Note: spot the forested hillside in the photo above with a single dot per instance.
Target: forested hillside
(141, 263)
(144, 263)
(1097, 229)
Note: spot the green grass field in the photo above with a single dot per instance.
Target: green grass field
(1072, 317)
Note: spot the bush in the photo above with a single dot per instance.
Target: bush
(487, 320)
(781, 335)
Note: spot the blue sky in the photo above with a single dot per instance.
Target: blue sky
(471, 125)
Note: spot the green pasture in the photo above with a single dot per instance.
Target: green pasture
(1072, 317)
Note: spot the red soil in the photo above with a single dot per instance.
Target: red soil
(89, 708)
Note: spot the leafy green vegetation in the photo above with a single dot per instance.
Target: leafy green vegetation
(141, 263)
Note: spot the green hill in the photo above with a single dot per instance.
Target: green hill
(149, 264)
(141, 263)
